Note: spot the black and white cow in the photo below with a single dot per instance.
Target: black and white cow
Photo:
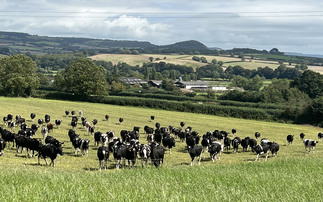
(2, 146)
(82, 145)
(144, 153)
(103, 156)
(252, 144)
(44, 132)
(227, 143)
(274, 148)
(67, 113)
(215, 150)
(262, 149)
(47, 118)
(290, 139)
(100, 138)
(54, 141)
(195, 152)
(310, 144)
(51, 151)
(257, 135)
(40, 122)
(7, 136)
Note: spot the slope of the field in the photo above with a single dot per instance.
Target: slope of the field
(234, 177)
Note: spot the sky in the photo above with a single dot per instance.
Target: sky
(289, 25)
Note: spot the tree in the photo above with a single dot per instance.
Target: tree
(82, 77)
(18, 76)
(310, 82)
(151, 59)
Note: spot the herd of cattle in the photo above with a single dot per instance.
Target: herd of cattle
(127, 147)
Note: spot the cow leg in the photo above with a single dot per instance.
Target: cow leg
(38, 159)
(199, 159)
(100, 167)
(257, 158)
(267, 154)
(192, 161)
(45, 161)
(170, 150)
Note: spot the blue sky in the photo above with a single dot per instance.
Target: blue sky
(290, 26)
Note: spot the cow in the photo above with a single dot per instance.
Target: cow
(320, 136)
(50, 127)
(119, 153)
(82, 145)
(58, 123)
(34, 127)
(215, 150)
(182, 124)
(257, 135)
(205, 143)
(54, 141)
(73, 124)
(227, 143)
(262, 149)
(32, 116)
(100, 138)
(51, 151)
(290, 139)
(252, 144)
(73, 113)
(72, 135)
(107, 117)
(20, 121)
(47, 118)
(80, 112)
(40, 122)
(7, 136)
(235, 144)
(103, 156)
(157, 125)
(157, 154)
(94, 121)
(136, 128)
(302, 135)
(2, 146)
(120, 120)
(110, 135)
(264, 141)
(245, 144)
(11, 125)
(9, 117)
(144, 153)
(44, 132)
(5, 120)
(310, 144)
(274, 148)
(195, 152)
(168, 142)
(67, 113)
(234, 131)
(152, 118)
(29, 143)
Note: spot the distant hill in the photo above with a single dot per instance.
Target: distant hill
(23, 42)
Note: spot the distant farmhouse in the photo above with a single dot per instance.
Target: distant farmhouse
(133, 80)
(203, 85)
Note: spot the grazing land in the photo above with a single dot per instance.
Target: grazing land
(293, 175)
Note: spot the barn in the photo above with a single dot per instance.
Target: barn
(193, 84)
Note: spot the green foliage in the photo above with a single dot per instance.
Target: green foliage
(253, 84)
(310, 83)
(17, 76)
(82, 77)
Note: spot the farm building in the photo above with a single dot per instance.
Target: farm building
(219, 88)
(155, 83)
(133, 80)
(192, 84)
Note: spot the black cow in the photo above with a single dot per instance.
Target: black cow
(157, 125)
(158, 137)
(72, 135)
(252, 144)
(168, 142)
(73, 124)
(103, 155)
(257, 135)
(91, 130)
(107, 117)
(67, 113)
(205, 143)
(235, 144)
(245, 144)
(51, 151)
(195, 152)
(320, 136)
(227, 143)
(310, 144)
(274, 148)
(152, 118)
(119, 153)
(54, 141)
(58, 123)
(290, 139)
(2, 146)
(94, 121)
(100, 138)
(120, 120)
(73, 113)
(11, 125)
(29, 143)
(40, 122)
(32, 116)
(215, 150)
(7, 136)
(234, 131)
(157, 154)
(47, 118)
(182, 124)
(44, 132)
(136, 128)
(302, 135)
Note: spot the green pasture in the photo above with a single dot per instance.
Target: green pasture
(294, 175)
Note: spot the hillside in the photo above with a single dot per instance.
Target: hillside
(23, 42)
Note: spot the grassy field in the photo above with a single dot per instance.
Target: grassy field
(184, 60)
(234, 177)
